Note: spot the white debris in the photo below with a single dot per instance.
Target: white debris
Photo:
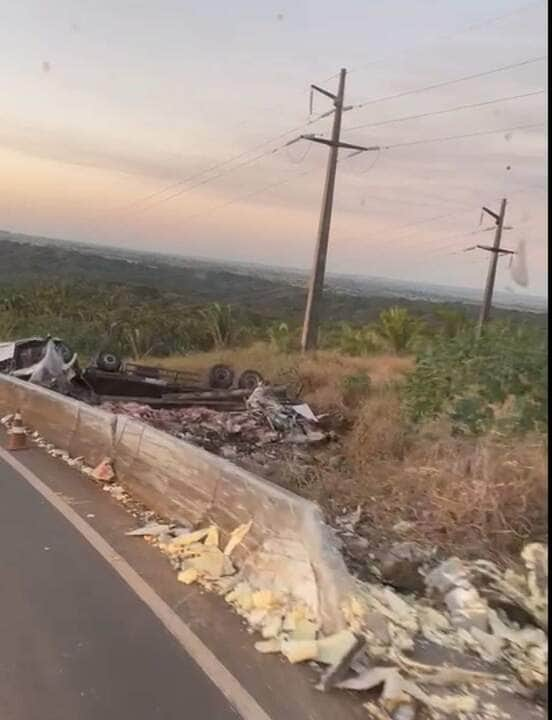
(380, 621)
(367, 680)
(116, 491)
(104, 471)
(269, 646)
(152, 529)
(450, 580)
(188, 576)
(305, 411)
(237, 536)
(333, 647)
(297, 651)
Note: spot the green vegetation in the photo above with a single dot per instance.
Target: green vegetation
(398, 328)
(280, 337)
(499, 382)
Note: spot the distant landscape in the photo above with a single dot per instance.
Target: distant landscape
(276, 292)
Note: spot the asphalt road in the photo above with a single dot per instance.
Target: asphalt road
(76, 643)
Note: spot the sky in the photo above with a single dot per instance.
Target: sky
(162, 126)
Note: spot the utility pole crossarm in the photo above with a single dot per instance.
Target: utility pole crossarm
(325, 141)
(500, 251)
(493, 214)
(325, 92)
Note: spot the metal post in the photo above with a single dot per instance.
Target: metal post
(312, 312)
(491, 275)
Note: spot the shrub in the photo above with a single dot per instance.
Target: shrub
(357, 341)
(498, 382)
(280, 337)
(398, 328)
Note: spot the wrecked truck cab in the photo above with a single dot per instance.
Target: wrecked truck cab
(20, 358)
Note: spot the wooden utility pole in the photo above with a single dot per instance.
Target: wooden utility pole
(495, 251)
(312, 312)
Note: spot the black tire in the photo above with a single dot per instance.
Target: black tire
(221, 377)
(108, 362)
(249, 379)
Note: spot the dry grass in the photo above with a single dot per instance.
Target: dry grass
(319, 377)
(378, 432)
(484, 496)
(473, 497)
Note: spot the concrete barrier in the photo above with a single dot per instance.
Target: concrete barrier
(289, 548)
(73, 426)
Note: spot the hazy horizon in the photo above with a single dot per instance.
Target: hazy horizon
(110, 104)
(519, 293)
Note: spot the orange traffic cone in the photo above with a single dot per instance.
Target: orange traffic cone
(17, 439)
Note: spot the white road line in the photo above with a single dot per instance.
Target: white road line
(234, 692)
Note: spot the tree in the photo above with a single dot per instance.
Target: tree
(221, 324)
(398, 328)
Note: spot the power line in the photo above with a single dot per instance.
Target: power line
(453, 236)
(250, 161)
(246, 196)
(424, 221)
(446, 110)
(461, 137)
(212, 178)
(229, 161)
(224, 163)
(372, 164)
(453, 81)
(285, 181)
(438, 250)
(401, 201)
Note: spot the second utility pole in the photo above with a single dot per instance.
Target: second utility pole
(495, 251)
(312, 311)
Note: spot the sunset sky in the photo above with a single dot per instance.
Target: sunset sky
(107, 103)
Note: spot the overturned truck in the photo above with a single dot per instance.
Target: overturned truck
(50, 362)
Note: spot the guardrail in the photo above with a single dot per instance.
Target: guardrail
(289, 548)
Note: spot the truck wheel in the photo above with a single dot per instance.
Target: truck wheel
(109, 362)
(221, 377)
(249, 379)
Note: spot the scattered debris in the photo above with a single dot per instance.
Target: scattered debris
(104, 471)
(346, 523)
(382, 626)
(463, 609)
(529, 594)
(466, 607)
(305, 411)
(338, 669)
(150, 530)
(236, 537)
(115, 491)
(262, 426)
(403, 565)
